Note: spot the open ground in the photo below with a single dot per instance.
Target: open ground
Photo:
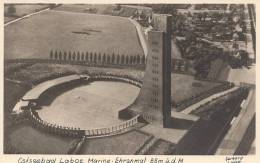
(54, 30)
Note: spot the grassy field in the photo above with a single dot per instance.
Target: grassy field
(161, 147)
(40, 70)
(9, 18)
(27, 139)
(106, 9)
(21, 10)
(36, 36)
(125, 144)
(182, 87)
(12, 93)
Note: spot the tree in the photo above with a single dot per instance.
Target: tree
(118, 59)
(56, 55)
(90, 57)
(64, 56)
(122, 59)
(108, 59)
(131, 60)
(134, 59)
(138, 59)
(104, 58)
(60, 55)
(126, 59)
(95, 57)
(190, 36)
(51, 54)
(78, 56)
(11, 10)
(69, 55)
(86, 56)
(99, 57)
(113, 58)
(143, 59)
(74, 56)
(82, 56)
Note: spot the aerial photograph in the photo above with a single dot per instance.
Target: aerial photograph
(129, 79)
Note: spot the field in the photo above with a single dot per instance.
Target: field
(70, 31)
(21, 10)
(40, 70)
(182, 87)
(125, 144)
(161, 147)
(26, 139)
(99, 8)
(12, 94)
(105, 9)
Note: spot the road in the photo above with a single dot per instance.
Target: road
(238, 128)
(141, 36)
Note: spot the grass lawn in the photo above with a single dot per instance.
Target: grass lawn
(12, 94)
(40, 70)
(100, 8)
(27, 139)
(161, 147)
(125, 144)
(9, 18)
(22, 9)
(70, 31)
(182, 87)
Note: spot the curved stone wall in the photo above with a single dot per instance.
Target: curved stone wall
(77, 132)
(114, 77)
(53, 128)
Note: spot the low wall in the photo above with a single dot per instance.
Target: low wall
(116, 129)
(77, 132)
(39, 89)
(114, 77)
(52, 128)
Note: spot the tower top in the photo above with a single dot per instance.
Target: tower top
(162, 22)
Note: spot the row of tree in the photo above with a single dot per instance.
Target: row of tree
(98, 57)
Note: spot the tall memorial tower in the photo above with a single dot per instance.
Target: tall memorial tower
(156, 90)
(154, 100)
